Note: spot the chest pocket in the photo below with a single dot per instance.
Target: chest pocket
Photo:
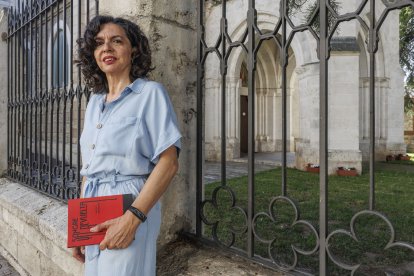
(117, 135)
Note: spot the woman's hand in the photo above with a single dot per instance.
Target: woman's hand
(120, 232)
(79, 253)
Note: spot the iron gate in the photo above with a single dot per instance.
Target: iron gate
(236, 224)
(46, 98)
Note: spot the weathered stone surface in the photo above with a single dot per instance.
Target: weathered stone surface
(5, 268)
(33, 231)
(170, 27)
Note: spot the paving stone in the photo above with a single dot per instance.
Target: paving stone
(238, 167)
(6, 269)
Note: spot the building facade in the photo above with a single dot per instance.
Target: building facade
(348, 90)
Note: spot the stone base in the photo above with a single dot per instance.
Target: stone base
(342, 158)
(305, 155)
(33, 231)
(265, 144)
(336, 158)
(213, 149)
(382, 149)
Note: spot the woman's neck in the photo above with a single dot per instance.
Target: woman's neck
(115, 86)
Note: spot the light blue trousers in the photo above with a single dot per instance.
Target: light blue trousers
(139, 259)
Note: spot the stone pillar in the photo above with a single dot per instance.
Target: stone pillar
(171, 29)
(3, 93)
(343, 106)
(307, 146)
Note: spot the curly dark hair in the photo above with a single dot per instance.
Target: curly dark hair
(141, 59)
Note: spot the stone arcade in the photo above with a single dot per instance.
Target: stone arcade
(348, 91)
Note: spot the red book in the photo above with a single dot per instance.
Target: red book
(85, 213)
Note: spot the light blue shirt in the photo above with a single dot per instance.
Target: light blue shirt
(127, 135)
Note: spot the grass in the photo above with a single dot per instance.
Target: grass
(346, 197)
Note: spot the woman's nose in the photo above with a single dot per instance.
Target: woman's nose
(107, 46)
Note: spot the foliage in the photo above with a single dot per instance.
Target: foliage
(300, 5)
(407, 55)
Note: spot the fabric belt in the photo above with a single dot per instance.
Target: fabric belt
(91, 187)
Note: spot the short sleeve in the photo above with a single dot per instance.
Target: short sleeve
(160, 123)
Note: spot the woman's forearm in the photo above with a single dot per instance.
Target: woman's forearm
(158, 180)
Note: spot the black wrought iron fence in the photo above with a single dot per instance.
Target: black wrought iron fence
(230, 213)
(46, 97)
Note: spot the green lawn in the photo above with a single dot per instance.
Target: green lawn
(347, 196)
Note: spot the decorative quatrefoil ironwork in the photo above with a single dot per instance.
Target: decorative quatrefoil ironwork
(221, 213)
(284, 227)
(382, 240)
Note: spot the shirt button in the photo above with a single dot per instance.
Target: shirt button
(99, 125)
(86, 166)
(93, 146)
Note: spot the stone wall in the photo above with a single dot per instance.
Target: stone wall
(171, 29)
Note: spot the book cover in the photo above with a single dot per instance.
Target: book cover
(85, 213)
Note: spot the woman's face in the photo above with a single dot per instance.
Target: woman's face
(113, 50)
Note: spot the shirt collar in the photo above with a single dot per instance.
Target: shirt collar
(137, 85)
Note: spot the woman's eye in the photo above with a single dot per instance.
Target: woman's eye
(117, 41)
(98, 43)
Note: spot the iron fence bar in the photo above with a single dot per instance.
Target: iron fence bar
(52, 101)
(46, 98)
(284, 63)
(323, 136)
(71, 89)
(34, 164)
(25, 85)
(64, 97)
(371, 49)
(200, 114)
(19, 102)
(40, 97)
(9, 80)
(87, 11)
(31, 100)
(223, 72)
(79, 35)
(11, 85)
(79, 93)
(58, 90)
(251, 20)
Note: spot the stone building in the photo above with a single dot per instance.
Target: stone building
(348, 90)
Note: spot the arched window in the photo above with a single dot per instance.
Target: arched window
(60, 54)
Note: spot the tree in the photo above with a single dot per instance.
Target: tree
(407, 55)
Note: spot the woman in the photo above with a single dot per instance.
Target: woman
(129, 144)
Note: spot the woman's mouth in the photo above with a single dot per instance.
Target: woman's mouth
(109, 60)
